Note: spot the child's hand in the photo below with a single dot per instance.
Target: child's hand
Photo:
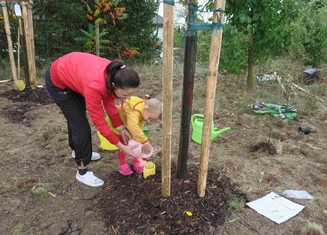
(128, 150)
(125, 135)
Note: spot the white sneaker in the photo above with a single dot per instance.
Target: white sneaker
(95, 156)
(89, 179)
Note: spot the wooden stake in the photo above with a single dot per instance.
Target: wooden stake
(29, 48)
(167, 80)
(18, 50)
(10, 47)
(210, 97)
(31, 27)
(308, 93)
(97, 39)
(22, 44)
(282, 86)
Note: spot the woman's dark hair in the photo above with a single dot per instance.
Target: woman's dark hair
(120, 76)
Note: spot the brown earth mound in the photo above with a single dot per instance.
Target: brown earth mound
(136, 205)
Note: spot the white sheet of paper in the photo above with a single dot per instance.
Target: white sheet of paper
(275, 207)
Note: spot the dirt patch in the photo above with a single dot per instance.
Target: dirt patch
(38, 96)
(23, 102)
(264, 146)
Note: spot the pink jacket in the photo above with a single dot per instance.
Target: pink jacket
(85, 74)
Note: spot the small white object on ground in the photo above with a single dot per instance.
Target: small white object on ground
(299, 194)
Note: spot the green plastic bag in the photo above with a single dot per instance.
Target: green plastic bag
(285, 112)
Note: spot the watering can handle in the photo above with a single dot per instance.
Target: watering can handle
(147, 155)
(195, 116)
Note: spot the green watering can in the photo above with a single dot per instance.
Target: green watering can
(197, 125)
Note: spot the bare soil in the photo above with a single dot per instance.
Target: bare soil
(260, 154)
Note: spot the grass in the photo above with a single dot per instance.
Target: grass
(320, 89)
(42, 190)
(236, 204)
(313, 228)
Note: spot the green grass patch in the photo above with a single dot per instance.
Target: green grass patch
(236, 204)
(42, 190)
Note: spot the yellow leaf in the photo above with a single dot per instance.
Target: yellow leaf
(189, 213)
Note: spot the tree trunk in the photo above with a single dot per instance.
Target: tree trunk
(187, 95)
(251, 66)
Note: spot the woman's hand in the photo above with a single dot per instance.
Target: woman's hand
(128, 150)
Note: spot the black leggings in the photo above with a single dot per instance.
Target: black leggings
(72, 105)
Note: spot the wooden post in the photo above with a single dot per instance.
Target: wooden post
(10, 47)
(97, 39)
(18, 13)
(31, 27)
(23, 47)
(18, 52)
(29, 48)
(210, 97)
(187, 96)
(168, 44)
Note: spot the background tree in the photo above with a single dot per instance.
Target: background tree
(256, 30)
(108, 15)
(309, 33)
(264, 23)
(233, 50)
(59, 23)
(129, 26)
(13, 21)
(137, 32)
(56, 24)
(88, 39)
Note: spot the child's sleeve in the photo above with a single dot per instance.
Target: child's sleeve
(135, 124)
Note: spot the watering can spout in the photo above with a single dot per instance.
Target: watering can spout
(215, 134)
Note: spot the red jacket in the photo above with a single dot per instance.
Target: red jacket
(86, 74)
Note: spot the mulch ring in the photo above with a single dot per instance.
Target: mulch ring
(38, 96)
(133, 205)
(264, 147)
(24, 101)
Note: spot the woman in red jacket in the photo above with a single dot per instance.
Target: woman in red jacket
(80, 81)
